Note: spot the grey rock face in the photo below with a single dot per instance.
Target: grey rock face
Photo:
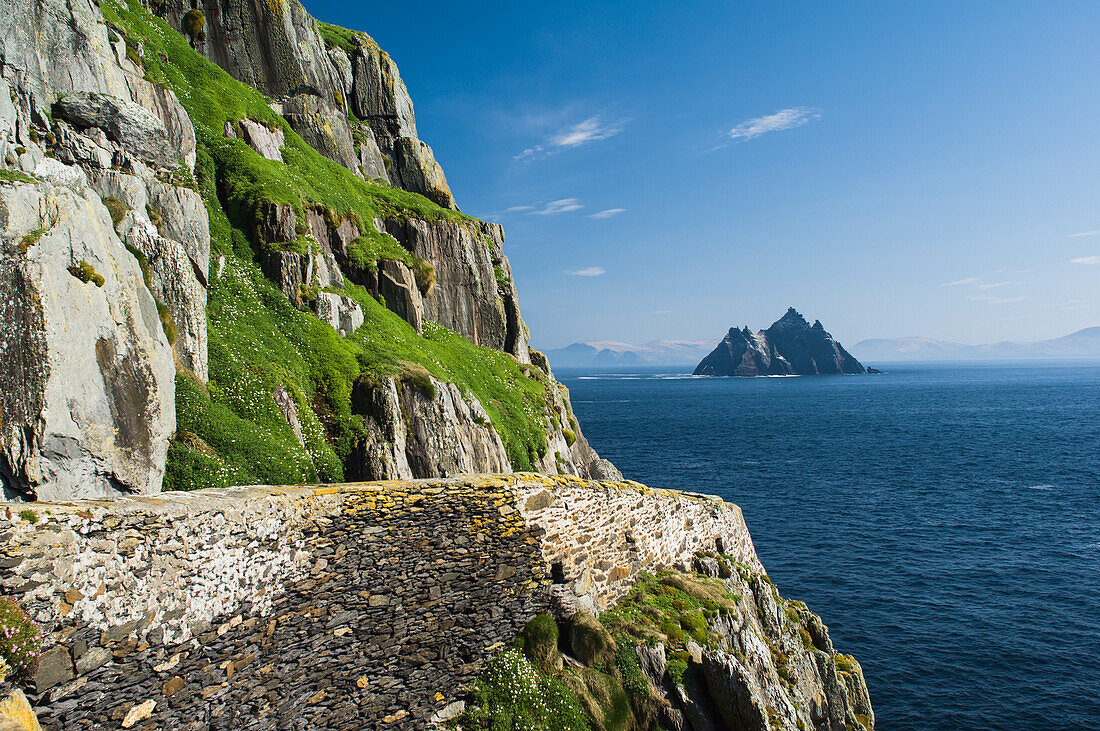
(177, 253)
(87, 379)
(371, 162)
(397, 285)
(274, 47)
(137, 130)
(323, 127)
(262, 139)
(466, 297)
(415, 169)
(341, 312)
(379, 96)
(791, 346)
(414, 433)
(737, 698)
(183, 219)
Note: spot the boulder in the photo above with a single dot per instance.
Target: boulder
(341, 312)
(86, 374)
(284, 268)
(264, 140)
(137, 130)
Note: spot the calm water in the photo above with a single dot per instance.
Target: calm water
(943, 520)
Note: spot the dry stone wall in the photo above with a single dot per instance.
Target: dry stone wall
(354, 606)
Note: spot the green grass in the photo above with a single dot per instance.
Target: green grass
(14, 176)
(336, 37)
(231, 431)
(85, 272)
(670, 606)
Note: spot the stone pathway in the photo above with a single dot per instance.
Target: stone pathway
(399, 613)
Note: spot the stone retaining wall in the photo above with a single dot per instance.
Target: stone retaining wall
(361, 605)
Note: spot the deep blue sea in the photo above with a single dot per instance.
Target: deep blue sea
(944, 520)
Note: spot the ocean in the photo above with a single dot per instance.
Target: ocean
(944, 520)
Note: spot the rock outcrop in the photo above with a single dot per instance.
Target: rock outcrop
(86, 375)
(473, 292)
(84, 126)
(791, 346)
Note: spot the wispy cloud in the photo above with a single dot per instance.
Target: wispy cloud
(589, 130)
(1085, 260)
(530, 153)
(559, 206)
(1084, 233)
(993, 285)
(990, 299)
(789, 118)
(607, 213)
(518, 209)
(960, 282)
(589, 272)
(592, 129)
(662, 312)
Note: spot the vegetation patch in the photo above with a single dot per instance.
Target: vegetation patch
(85, 272)
(14, 176)
(512, 694)
(31, 239)
(117, 209)
(20, 638)
(670, 607)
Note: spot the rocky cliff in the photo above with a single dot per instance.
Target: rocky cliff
(228, 259)
(791, 346)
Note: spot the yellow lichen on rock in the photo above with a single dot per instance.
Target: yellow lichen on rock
(16, 713)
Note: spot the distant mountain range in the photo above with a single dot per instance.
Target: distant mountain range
(610, 354)
(1081, 344)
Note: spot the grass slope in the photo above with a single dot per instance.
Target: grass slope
(231, 431)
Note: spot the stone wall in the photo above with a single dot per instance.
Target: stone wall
(369, 604)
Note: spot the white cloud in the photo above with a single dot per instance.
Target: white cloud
(559, 206)
(1084, 233)
(592, 129)
(959, 282)
(518, 209)
(589, 130)
(1085, 260)
(607, 213)
(994, 285)
(529, 154)
(589, 272)
(990, 299)
(790, 118)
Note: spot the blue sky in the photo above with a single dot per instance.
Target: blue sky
(667, 170)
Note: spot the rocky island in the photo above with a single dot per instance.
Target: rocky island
(791, 346)
(228, 259)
